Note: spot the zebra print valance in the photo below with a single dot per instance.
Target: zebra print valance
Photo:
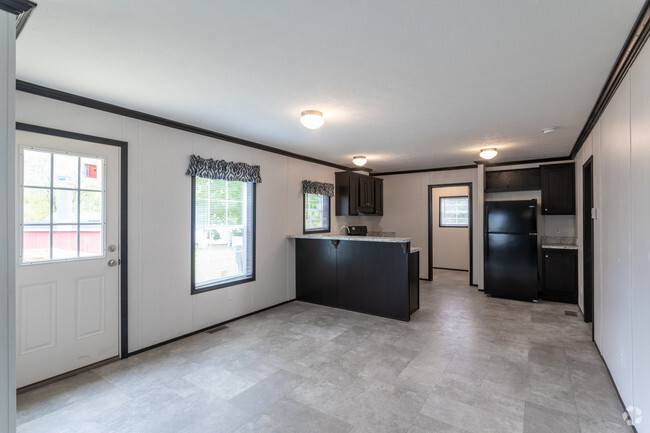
(224, 170)
(321, 188)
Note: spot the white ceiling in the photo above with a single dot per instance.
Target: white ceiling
(411, 84)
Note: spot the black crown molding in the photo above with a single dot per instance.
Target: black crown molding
(633, 45)
(423, 170)
(16, 7)
(59, 95)
(525, 161)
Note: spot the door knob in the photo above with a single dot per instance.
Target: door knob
(112, 263)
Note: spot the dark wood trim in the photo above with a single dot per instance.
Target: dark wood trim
(16, 7)
(124, 216)
(529, 161)
(226, 283)
(329, 217)
(631, 49)
(471, 228)
(588, 290)
(450, 269)
(66, 375)
(423, 170)
(35, 89)
(207, 328)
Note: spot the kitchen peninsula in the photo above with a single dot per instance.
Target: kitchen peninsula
(373, 275)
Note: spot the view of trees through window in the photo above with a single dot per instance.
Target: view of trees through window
(222, 231)
(62, 206)
(454, 211)
(317, 213)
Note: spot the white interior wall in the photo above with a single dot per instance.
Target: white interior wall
(615, 246)
(620, 145)
(450, 244)
(160, 304)
(7, 260)
(640, 233)
(406, 210)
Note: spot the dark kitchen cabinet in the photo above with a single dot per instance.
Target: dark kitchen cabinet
(560, 275)
(558, 189)
(358, 194)
(379, 278)
(317, 276)
(513, 180)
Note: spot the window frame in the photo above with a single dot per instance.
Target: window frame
(457, 226)
(231, 281)
(21, 204)
(307, 231)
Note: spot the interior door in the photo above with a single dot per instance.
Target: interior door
(67, 275)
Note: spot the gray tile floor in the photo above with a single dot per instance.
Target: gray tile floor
(465, 363)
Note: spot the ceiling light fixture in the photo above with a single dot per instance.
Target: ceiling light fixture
(312, 119)
(488, 153)
(359, 160)
(548, 130)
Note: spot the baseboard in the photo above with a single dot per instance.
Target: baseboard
(618, 394)
(451, 269)
(204, 329)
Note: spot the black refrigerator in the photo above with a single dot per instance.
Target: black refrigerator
(511, 249)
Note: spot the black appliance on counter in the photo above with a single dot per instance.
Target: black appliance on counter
(511, 249)
(358, 230)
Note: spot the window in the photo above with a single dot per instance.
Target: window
(317, 213)
(62, 206)
(223, 233)
(454, 211)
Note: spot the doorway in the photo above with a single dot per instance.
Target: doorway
(588, 240)
(450, 243)
(71, 250)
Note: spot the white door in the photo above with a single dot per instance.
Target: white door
(67, 275)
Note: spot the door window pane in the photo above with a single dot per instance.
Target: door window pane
(91, 207)
(36, 206)
(66, 171)
(90, 241)
(60, 220)
(36, 243)
(92, 173)
(65, 206)
(37, 168)
(64, 242)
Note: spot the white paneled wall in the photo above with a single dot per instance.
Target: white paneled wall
(620, 145)
(7, 260)
(406, 209)
(640, 230)
(615, 246)
(160, 304)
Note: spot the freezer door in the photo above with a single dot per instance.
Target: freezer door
(518, 216)
(511, 266)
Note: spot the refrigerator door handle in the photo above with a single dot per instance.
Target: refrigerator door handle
(487, 247)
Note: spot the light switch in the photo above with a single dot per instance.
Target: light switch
(594, 213)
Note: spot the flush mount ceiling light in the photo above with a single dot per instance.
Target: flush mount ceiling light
(359, 160)
(548, 130)
(312, 119)
(488, 153)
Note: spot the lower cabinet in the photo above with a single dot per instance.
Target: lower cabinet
(560, 275)
(369, 277)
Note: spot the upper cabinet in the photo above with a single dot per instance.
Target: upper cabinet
(357, 194)
(558, 189)
(512, 180)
